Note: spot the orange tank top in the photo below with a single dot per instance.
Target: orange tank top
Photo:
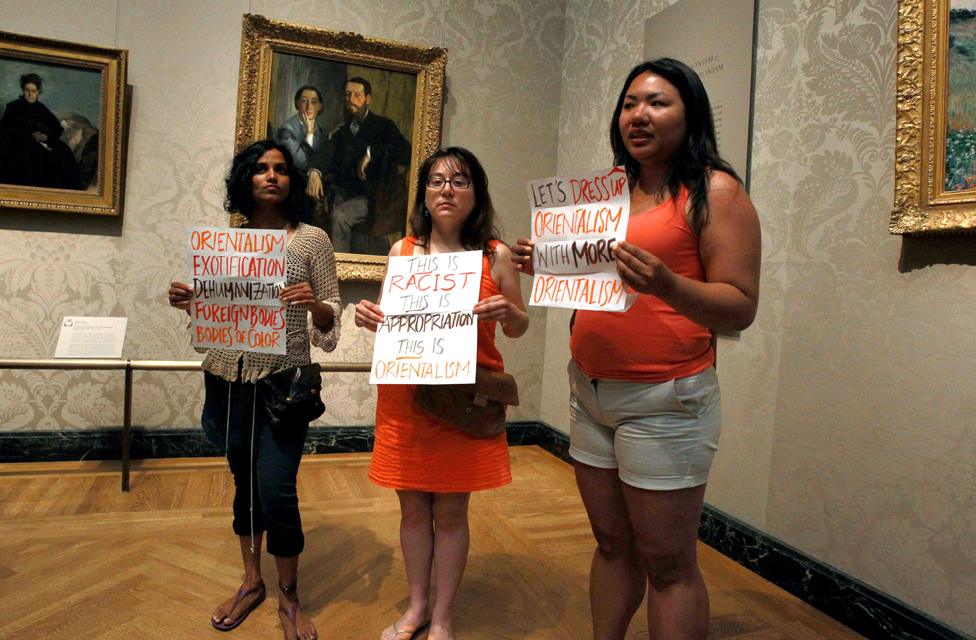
(650, 342)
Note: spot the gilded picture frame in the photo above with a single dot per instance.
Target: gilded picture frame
(372, 97)
(935, 140)
(63, 135)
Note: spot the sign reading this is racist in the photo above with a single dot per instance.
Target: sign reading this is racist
(575, 221)
(429, 334)
(237, 276)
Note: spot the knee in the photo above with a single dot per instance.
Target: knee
(276, 490)
(240, 465)
(450, 513)
(415, 514)
(615, 545)
(667, 567)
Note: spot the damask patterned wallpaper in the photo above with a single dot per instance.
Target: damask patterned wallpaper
(503, 57)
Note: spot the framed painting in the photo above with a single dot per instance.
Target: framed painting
(61, 129)
(935, 141)
(359, 116)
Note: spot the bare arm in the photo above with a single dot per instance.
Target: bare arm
(507, 308)
(730, 250)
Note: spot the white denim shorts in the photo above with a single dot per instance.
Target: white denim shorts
(661, 436)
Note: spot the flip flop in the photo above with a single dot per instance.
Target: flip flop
(242, 593)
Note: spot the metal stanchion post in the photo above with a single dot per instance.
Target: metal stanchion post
(126, 424)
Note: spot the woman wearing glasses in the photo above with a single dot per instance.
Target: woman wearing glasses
(432, 464)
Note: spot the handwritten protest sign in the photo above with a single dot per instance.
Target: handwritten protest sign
(429, 334)
(237, 276)
(575, 221)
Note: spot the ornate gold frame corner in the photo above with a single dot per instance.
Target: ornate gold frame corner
(921, 204)
(106, 199)
(262, 37)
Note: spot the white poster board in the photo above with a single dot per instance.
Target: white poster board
(237, 276)
(716, 40)
(429, 334)
(575, 221)
(91, 337)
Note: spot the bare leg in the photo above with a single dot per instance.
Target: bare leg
(417, 544)
(666, 532)
(226, 612)
(617, 578)
(451, 536)
(296, 624)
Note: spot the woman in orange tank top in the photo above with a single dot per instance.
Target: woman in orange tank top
(644, 405)
(432, 464)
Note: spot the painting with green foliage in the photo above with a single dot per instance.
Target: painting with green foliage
(961, 120)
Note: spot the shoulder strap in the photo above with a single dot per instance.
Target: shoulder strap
(407, 246)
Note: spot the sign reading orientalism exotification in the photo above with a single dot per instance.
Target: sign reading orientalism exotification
(575, 221)
(237, 276)
(429, 334)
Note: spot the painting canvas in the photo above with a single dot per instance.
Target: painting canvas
(60, 125)
(960, 164)
(358, 114)
(935, 121)
(49, 127)
(359, 181)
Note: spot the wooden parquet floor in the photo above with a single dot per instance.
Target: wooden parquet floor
(79, 559)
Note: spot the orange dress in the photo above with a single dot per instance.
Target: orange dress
(416, 451)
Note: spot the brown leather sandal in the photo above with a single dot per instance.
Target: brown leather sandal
(242, 593)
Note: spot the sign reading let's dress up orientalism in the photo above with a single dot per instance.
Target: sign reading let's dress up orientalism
(575, 221)
(429, 334)
(237, 276)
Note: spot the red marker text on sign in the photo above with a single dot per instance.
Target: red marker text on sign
(600, 188)
(584, 220)
(582, 290)
(427, 282)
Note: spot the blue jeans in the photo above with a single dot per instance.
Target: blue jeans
(272, 463)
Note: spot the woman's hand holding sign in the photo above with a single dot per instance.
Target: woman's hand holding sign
(180, 296)
(641, 270)
(522, 256)
(498, 308)
(303, 294)
(368, 314)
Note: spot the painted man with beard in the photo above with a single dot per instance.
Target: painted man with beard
(367, 174)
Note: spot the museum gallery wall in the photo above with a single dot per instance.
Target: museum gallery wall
(848, 433)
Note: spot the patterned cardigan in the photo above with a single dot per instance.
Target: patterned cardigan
(310, 259)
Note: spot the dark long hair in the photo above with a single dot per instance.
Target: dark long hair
(480, 226)
(240, 198)
(699, 156)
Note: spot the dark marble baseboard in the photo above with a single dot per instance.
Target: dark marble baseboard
(848, 600)
(106, 444)
(851, 602)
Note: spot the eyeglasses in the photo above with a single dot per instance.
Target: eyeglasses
(457, 182)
